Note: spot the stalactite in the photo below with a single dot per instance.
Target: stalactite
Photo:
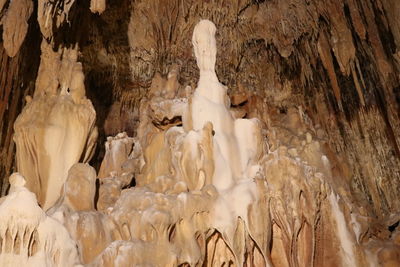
(15, 25)
(97, 6)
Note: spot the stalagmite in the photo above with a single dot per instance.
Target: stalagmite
(116, 170)
(28, 236)
(117, 151)
(75, 209)
(56, 128)
(210, 103)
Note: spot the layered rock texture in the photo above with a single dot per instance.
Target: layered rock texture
(228, 133)
(56, 127)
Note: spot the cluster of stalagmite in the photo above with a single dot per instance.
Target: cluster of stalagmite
(202, 184)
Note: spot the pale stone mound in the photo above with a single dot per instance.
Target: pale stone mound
(75, 209)
(28, 236)
(118, 149)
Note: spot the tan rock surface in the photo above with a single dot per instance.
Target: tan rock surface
(15, 25)
(97, 6)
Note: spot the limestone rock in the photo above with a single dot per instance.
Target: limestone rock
(56, 129)
(97, 6)
(52, 14)
(15, 25)
(75, 209)
(30, 237)
(118, 150)
(79, 188)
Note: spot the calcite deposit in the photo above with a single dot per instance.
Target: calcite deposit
(28, 236)
(218, 166)
(15, 25)
(56, 128)
(51, 14)
(97, 6)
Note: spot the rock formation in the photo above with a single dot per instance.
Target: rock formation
(52, 15)
(273, 144)
(15, 25)
(28, 236)
(98, 6)
(56, 128)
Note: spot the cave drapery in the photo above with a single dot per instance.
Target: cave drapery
(110, 97)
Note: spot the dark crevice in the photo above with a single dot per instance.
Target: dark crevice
(74, 30)
(373, 91)
(99, 91)
(348, 92)
(242, 104)
(106, 32)
(389, 130)
(177, 120)
(385, 34)
(396, 92)
(132, 183)
(97, 194)
(322, 76)
(393, 227)
(290, 67)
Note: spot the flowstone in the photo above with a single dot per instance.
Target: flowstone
(56, 127)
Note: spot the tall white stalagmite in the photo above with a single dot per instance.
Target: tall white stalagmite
(210, 103)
